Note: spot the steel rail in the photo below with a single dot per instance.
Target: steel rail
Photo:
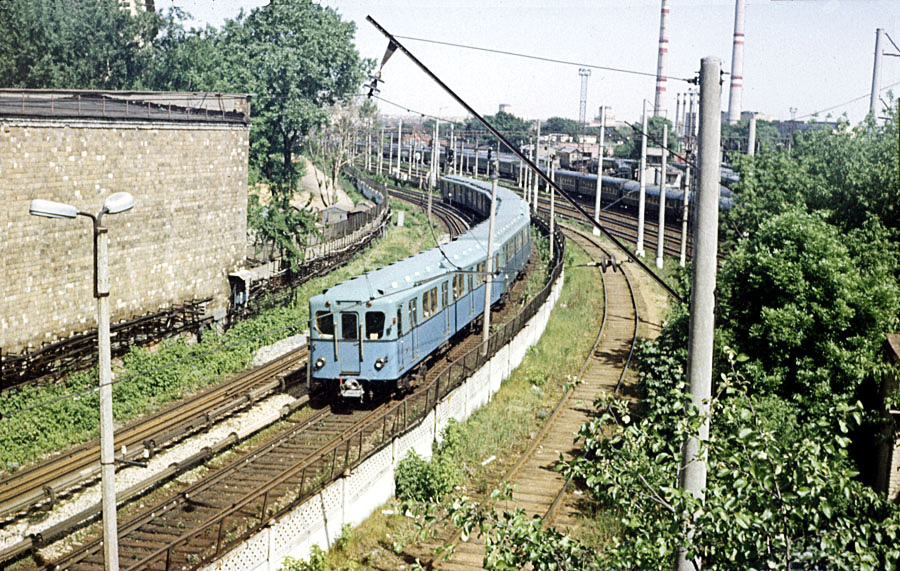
(550, 427)
(142, 438)
(345, 449)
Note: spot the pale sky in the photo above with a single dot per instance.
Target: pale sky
(807, 54)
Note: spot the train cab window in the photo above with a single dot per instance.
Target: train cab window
(349, 327)
(444, 295)
(374, 324)
(325, 324)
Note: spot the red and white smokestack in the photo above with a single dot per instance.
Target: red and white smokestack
(660, 101)
(737, 64)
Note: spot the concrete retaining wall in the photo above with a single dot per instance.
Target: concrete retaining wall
(351, 499)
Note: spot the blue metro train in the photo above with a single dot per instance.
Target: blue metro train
(372, 334)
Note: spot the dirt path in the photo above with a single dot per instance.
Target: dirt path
(309, 189)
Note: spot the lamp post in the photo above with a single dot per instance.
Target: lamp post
(114, 204)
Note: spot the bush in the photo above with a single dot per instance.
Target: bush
(419, 479)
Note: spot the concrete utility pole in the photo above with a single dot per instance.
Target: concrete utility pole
(660, 101)
(381, 151)
(693, 115)
(399, 146)
(475, 174)
(600, 169)
(391, 154)
(489, 264)
(552, 206)
(677, 115)
(751, 136)
(451, 150)
(876, 72)
(435, 152)
(685, 209)
(661, 231)
(537, 161)
(642, 199)
(737, 64)
(702, 306)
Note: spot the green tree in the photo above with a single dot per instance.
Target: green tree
(561, 125)
(68, 44)
(780, 493)
(515, 129)
(810, 306)
(298, 58)
(734, 137)
(185, 59)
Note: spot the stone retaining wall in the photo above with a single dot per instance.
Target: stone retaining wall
(186, 232)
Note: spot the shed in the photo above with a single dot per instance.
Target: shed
(332, 215)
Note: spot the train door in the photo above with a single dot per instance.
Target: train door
(349, 347)
(413, 322)
(445, 308)
(403, 343)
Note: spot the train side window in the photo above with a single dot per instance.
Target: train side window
(349, 328)
(399, 321)
(413, 313)
(458, 286)
(444, 294)
(470, 282)
(325, 324)
(429, 303)
(374, 324)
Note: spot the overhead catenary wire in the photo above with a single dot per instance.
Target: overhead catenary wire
(547, 59)
(845, 103)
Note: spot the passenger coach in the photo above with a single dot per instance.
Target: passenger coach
(372, 334)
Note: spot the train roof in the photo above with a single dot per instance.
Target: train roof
(394, 282)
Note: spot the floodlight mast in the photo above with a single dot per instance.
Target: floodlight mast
(393, 41)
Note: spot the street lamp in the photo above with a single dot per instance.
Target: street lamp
(114, 204)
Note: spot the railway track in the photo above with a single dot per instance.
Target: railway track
(624, 226)
(539, 489)
(453, 219)
(42, 484)
(197, 523)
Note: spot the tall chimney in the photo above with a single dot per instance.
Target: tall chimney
(659, 102)
(737, 64)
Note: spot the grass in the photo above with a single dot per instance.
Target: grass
(38, 420)
(502, 428)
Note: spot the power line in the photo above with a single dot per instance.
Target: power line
(845, 103)
(546, 59)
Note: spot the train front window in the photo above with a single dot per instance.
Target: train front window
(349, 329)
(325, 324)
(374, 324)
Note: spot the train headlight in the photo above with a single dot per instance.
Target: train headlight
(320, 362)
(379, 364)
